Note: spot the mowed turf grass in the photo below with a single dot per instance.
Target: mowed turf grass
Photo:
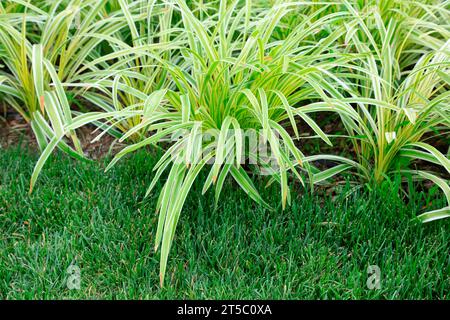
(319, 247)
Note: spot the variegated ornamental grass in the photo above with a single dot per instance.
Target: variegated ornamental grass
(144, 71)
(36, 39)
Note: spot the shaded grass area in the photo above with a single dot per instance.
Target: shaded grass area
(318, 248)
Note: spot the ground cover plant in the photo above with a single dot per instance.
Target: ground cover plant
(235, 92)
(319, 248)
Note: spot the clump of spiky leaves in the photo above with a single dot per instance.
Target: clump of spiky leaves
(46, 108)
(233, 78)
(134, 67)
(397, 94)
(31, 82)
(129, 78)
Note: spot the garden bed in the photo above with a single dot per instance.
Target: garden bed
(228, 149)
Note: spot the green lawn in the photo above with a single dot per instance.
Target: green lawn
(317, 248)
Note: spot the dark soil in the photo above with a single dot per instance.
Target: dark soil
(15, 131)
